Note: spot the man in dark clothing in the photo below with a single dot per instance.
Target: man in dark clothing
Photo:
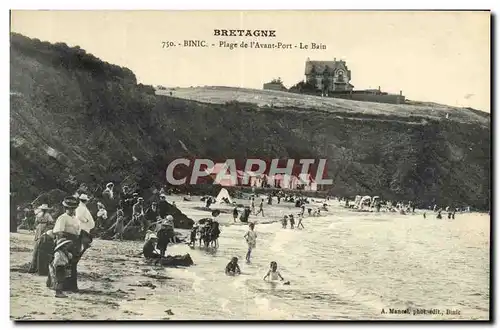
(194, 231)
(152, 213)
(163, 239)
(235, 214)
(127, 201)
(163, 207)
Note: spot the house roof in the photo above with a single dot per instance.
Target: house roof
(320, 66)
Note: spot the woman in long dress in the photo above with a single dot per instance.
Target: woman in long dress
(43, 253)
(68, 226)
(43, 223)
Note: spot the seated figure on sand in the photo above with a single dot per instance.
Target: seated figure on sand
(149, 248)
(232, 267)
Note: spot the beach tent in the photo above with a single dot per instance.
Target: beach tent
(365, 200)
(357, 200)
(223, 194)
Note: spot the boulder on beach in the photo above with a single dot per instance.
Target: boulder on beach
(176, 261)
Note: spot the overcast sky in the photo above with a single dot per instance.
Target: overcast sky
(441, 57)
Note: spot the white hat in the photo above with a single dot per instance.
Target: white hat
(44, 207)
(83, 197)
(150, 234)
(169, 218)
(110, 184)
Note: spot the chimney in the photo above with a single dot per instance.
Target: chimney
(335, 59)
(379, 88)
(400, 93)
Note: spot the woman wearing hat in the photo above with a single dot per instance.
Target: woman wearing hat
(60, 267)
(138, 213)
(43, 221)
(42, 254)
(68, 226)
(102, 215)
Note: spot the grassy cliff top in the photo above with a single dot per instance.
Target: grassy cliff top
(278, 99)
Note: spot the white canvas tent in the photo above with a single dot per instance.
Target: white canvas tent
(365, 201)
(223, 193)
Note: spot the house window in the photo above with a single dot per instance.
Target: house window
(340, 76)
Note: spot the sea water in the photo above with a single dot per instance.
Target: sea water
(345, 266)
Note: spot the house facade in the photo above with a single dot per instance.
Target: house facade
(329, 76)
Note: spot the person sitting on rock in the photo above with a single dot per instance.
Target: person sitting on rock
(232, 267)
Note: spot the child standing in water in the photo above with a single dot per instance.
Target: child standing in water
(235, 214)
(292, 221)
(300, 222)
(284, 222)
(251, 237)
(273, 274)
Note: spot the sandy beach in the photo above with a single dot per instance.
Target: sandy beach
(344, 265)
(116, 283)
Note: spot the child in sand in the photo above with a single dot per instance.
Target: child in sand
(232, 267)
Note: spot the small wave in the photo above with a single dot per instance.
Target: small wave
(266, 311)
(281, 238)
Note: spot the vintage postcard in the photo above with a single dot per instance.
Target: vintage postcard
(250, 165)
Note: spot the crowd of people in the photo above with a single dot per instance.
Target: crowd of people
(60, 244)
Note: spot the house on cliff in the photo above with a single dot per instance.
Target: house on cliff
(329, 76)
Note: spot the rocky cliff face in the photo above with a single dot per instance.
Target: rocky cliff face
(77, 119)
